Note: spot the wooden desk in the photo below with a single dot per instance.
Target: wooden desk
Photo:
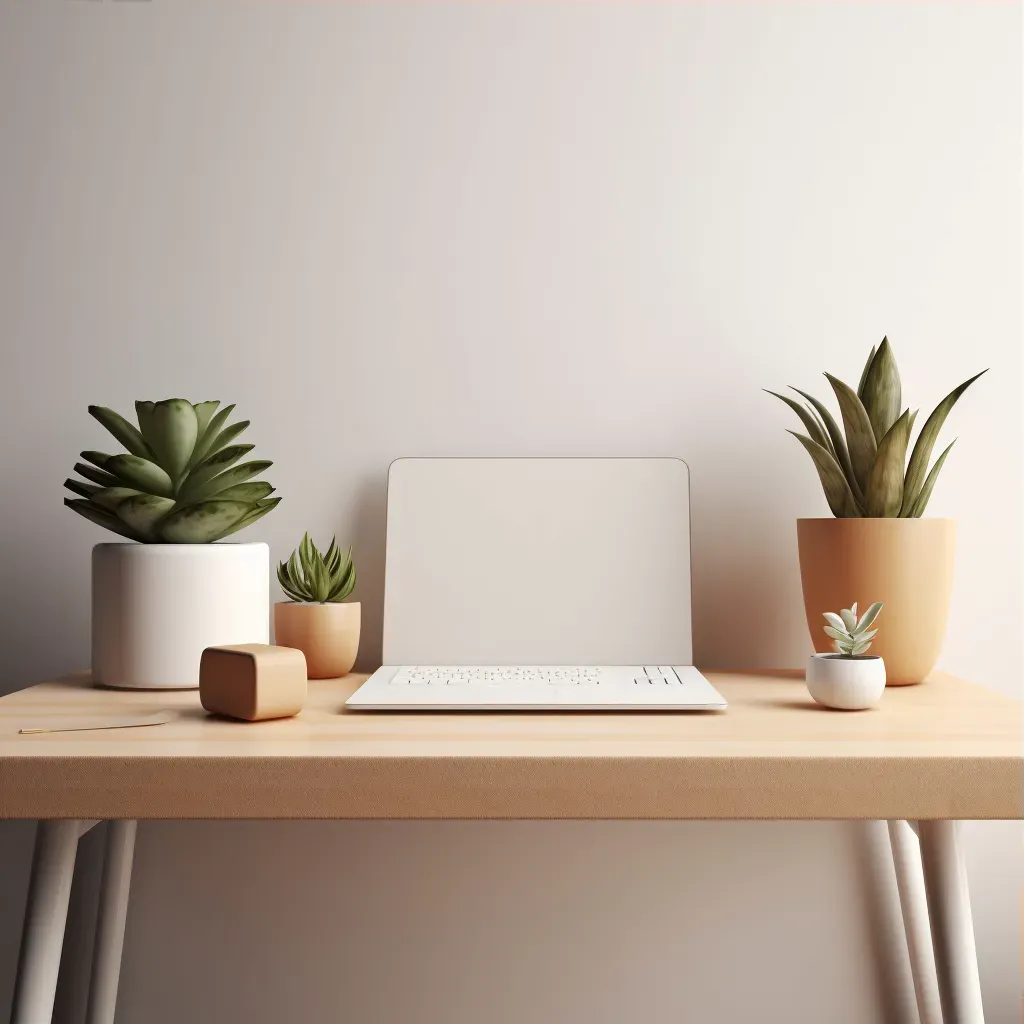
(934, 753)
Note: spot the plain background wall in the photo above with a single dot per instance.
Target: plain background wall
(390, 230)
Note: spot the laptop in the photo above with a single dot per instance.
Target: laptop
(548, 584)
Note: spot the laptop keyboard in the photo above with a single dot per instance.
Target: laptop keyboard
(534, 675)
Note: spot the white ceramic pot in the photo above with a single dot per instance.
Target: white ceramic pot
(850, 684)
(156, 607)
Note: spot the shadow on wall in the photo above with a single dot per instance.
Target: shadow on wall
(369, 530)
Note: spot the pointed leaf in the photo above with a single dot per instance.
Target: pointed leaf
(864, 373)
(836, 633)
(810, 423)
(252, 491)
(860, 637)
(870, 615)
(849, 619)
(197, 485)
(173, 429)
(837, 490)
(860, 648)
(926, 492)
(853, 609)
(88, 491)
(144, 413)
(142, 474)
(202, 523)
(237, 475)
(110, 497)
(860, 437)
(101, 517)
(125, 432)
(99, 459)
(225, 436)
(884, 494)
(834, 620)
(209, 435)
(204, 413)
(881, 393)
(839, 448)
(97, 476)
(926, 442)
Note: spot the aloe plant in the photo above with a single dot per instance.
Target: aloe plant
(863, 467)
(851, 636)
(309, 577)
(178, 482)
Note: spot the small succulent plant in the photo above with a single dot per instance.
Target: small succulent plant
(852, 636)
(309, 577)
(865, 473)
(178, 482)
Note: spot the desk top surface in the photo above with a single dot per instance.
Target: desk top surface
(944, 749)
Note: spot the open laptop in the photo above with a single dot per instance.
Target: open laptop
(537, 584)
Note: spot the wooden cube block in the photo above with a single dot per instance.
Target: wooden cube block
(252, 681)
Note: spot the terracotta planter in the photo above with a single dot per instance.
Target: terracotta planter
(905, 563)
(327, 634)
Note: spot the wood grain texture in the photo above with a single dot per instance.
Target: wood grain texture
(946, 749)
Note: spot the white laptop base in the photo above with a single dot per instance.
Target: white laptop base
(537, 688)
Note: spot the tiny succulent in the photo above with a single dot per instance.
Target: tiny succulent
(863, 468)
(178, 482)
(309, 577)
(852, 636)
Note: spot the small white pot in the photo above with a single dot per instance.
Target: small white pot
(155, 607)
(850, 684)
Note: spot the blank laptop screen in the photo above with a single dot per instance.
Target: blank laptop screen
(538, 562)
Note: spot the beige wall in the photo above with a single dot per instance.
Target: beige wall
(391, 230)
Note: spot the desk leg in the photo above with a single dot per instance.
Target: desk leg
(46, 913)
(113, 909)
(906, 857)
(949, 907)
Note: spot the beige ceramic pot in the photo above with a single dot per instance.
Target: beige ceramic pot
(327, 634)
(907, 564)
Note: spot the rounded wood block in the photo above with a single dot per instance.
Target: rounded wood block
(252, 681)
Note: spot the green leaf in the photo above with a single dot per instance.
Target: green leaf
(197, 485)
(860, 648)
(861, 637)
(144, 512)
(345, 581)
(252, 491)
(262, 508)
(837, 491)
(835, 633)
(99, 459)
(87, 491)
(306, 550)
(110, 497)
(870, 615)
(884, 494)
(100, 517)
(125, 432)
(864, 373)
(849, 619)
(237, 475)
(926, 442)
(144, 414)
(141, 474)
(810, 423)
(209, 435)
(332, 559)
(202, 523)
(853, 609)
(173, 429)
(297, 576)
(839, 449)
(881, 392)
(97, 476)
(204, 412)
(860, 437)
(834, 620)
(228, 434)
(926, 492)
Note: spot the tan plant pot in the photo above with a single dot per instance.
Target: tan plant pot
(905, 563)
(327, 634)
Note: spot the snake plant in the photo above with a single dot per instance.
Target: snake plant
(309, 577)
(178, 482)
(852, 636)
(863, 468)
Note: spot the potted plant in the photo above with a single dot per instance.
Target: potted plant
(170, 592)
(849, 679)
(314, 620)
(877, 542)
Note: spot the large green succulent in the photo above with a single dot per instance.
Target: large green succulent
(865, 473)
(178, 483)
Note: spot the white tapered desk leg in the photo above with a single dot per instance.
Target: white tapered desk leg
(906, 858)
(46, 914)
(110, 919)
(949, 907)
